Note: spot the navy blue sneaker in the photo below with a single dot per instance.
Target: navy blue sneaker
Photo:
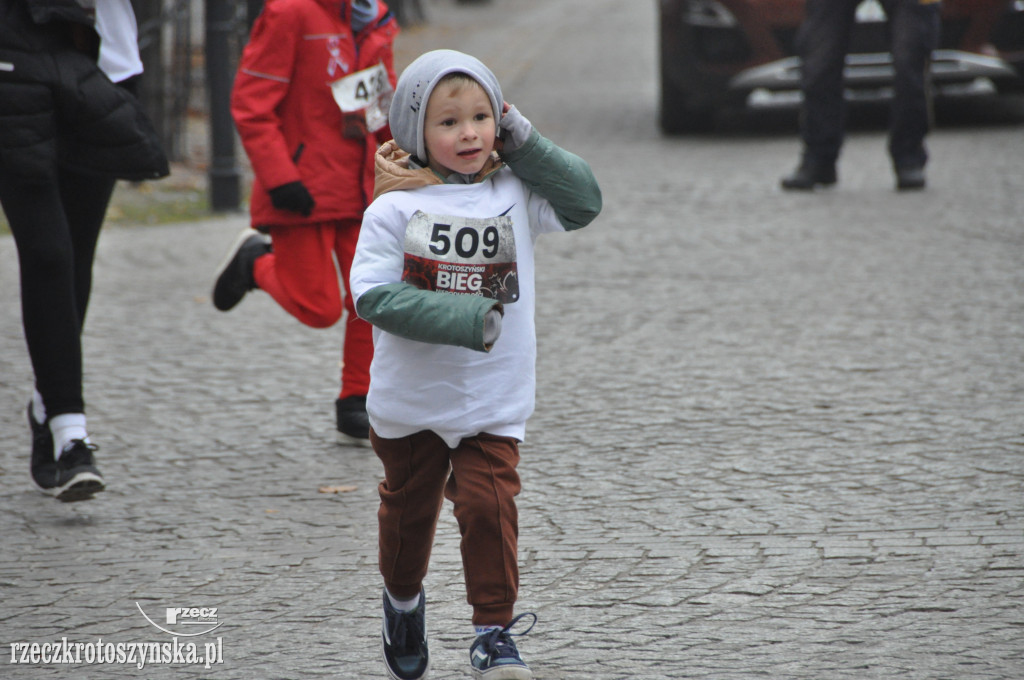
(494, 655)
(404, 641)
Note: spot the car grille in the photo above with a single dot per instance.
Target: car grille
(871, 38)
(864, 39)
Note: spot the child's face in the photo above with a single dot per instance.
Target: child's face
(458, 128)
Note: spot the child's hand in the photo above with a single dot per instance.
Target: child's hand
(492, 326)
(513, 129)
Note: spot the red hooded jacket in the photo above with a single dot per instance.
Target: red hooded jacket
(283, 105)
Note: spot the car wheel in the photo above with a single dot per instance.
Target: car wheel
(681, 110)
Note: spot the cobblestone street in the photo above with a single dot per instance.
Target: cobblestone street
(777, 436)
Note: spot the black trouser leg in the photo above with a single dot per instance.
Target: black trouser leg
(914, 32)
(55, 229)
(85, 199)
(823, 42)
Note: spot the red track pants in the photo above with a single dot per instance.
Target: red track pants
(300, 274)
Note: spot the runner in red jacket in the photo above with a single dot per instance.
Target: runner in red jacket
(310, 102)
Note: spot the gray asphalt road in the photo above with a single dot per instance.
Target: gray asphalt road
(776, 435)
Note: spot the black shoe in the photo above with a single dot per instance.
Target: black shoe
(234, 277)
(494, 654)
(352, 421)
(404, 641)
(43, 467)
(910, 178)
(77, 477)
(809, 175)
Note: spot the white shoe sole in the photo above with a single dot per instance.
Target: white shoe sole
(499, 673)
(82, 487)
(348, 440)
(233, 250)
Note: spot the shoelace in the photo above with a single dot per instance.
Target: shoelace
(497, 643)
(406, 633)
(78, 452)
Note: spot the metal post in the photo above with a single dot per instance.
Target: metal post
(224, 173)
(253, 9)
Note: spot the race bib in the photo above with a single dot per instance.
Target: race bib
(364, 98)
(464, 255)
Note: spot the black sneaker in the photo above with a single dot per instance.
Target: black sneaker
(809, 175)
(43, 467)
(352, 421)
(234, 276)
(494, 655)
(404, 641)
(910, 178)
(77, 477)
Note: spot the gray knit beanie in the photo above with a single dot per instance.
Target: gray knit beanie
(409, 105)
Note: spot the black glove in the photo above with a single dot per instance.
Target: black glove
(294, 197)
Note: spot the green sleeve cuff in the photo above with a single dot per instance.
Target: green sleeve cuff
(428, 316)
(562, 177)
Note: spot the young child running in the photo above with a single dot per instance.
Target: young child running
(444, 272)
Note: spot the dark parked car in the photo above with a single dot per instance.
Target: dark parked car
(719, 54)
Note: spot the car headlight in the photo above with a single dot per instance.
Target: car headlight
(709, 13)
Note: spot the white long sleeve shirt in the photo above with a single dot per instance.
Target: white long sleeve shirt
(466, 239)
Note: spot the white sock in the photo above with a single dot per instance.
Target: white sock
(38, 408)
(65, 428)
(403, 605)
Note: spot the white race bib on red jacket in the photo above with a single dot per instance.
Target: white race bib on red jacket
(364, 98)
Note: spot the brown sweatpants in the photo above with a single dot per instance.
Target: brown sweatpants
(479, 477)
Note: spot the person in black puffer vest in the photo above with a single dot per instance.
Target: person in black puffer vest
(67, 133)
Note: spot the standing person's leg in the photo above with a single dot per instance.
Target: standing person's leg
(357, 352)
(415, 470)
(914, 28)
(822, 42)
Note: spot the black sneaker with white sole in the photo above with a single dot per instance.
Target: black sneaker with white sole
(234, 276)
(494, 655)
(76, 476)
(404, 641)
(352, 422)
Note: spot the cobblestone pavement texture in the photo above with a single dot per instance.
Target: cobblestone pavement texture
(776, 435)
